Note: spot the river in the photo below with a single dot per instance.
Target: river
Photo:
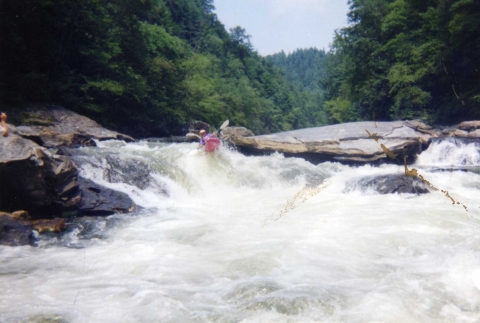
(228, 238)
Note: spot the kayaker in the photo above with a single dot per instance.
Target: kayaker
(205, 136)
(3, 127)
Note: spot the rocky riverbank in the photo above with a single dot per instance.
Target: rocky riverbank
(45, 184)
(39, 174)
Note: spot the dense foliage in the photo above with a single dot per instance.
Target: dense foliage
(406, 59)
(147, 67)
(141, 67)
(304, 68)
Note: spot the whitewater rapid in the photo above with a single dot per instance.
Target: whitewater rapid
(227, 238)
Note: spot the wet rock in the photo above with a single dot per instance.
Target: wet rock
(56, 126)
(348, 143)
(99, 200)
(14, 233)
(35, 180)
(389, 184)
(47, 185)
(132, 172)
(114, 169)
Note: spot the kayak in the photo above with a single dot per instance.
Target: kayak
(212, 144)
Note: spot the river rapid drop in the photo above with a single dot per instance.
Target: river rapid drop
(227, 238)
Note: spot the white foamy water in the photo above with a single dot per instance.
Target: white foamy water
(451, 153)
(255, 239)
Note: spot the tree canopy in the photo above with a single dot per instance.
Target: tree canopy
(402, 59)
(141, 67)
(147, 67)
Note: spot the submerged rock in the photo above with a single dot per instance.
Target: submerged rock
(16, 228)
(132, 172)
(176, 139)
(99, 200)
(15, 233)
(45, 318)
(349, 142)
(389, 184)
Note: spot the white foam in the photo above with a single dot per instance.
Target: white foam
(251, 239)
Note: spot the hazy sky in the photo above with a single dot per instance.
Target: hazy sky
(284, 24)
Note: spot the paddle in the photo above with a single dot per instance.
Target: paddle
(223, 126)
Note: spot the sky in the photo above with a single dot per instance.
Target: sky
(276, 25)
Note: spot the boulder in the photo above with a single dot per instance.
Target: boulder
(474, 134)
(99, 200)
(348, 142)
(57, 126)
(458, 133)
(35, 180)
(389, 184)
(230, 133)
(469, 125)
(48, 185)
(470, 129)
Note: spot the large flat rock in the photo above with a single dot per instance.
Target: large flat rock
(56, 126)
(348, 142)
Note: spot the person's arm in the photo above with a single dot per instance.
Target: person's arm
(4, 123)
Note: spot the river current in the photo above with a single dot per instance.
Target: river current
(224, 237)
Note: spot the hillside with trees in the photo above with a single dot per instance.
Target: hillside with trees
(403, 59)
(304, 68)
(141, 67)
(147, 67)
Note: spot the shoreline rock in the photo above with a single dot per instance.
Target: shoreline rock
(346, 143)
(351, 144)
(57, 126)
(47, 185)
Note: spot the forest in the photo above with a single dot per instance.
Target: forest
(147, 67)
(405, 59)
(142, 67)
